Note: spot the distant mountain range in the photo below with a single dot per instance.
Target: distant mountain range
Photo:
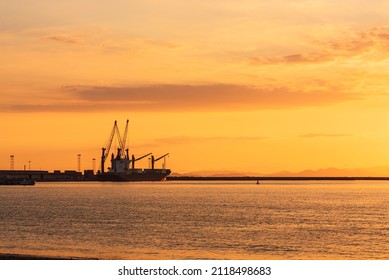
(378, 171)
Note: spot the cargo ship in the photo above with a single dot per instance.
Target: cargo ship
(122, 167)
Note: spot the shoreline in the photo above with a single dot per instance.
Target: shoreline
(4, 256)
(264, 178)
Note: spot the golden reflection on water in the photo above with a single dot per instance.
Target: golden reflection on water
(198, 220)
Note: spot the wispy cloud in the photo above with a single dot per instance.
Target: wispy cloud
(189, 140)
(316, 135)
(349, 45)
(108, 42)
(192, 139)
(66, 38)
(292, 59)
(47, 106)
(375, 38)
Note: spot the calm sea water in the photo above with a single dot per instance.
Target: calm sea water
(198, 220)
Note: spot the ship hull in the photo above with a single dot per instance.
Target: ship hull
(16, 182)
(144, 175)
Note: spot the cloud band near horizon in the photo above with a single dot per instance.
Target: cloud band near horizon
(177, 98)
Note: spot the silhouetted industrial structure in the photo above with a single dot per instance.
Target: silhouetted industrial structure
(120, 169)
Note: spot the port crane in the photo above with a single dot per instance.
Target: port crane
(153, 160)
(122, 152)
(123, 165)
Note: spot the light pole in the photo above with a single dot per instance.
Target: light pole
(12, 162)
(79, 162)
(93, 165)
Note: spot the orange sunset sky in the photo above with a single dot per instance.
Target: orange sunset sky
(250, 86)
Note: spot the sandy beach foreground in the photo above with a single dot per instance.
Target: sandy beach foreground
(33, 257)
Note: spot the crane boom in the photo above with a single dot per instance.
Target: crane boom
(124, 140)
(110, 139)
(153, 160)
(106, 149)
(136, 159)
(143, 156)
(121, 153)
(161, 157)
